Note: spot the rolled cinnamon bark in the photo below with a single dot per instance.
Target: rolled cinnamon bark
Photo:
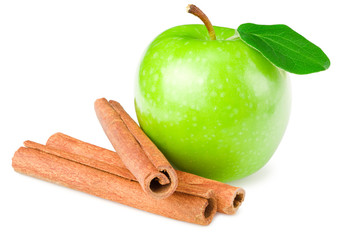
(154, 173)
(229, 198)
(70, 173)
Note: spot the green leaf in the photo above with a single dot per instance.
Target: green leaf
(285, 48)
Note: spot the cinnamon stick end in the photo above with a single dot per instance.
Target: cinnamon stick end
(100, 101)
(210, 208)
(237, 200)
(162, 184)
(53, 137)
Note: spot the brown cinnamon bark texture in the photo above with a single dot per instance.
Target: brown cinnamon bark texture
(150, 168)
(54, 166)
(228, 198)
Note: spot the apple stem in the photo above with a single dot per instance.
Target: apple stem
(191, 8)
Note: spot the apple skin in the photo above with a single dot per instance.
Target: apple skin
(215, 108)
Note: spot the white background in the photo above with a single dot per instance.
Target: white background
(57, 57)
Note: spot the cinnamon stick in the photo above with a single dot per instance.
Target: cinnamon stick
(55, 167)
(145, 162)
(229, 198)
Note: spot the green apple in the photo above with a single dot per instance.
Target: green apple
(215, 108)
